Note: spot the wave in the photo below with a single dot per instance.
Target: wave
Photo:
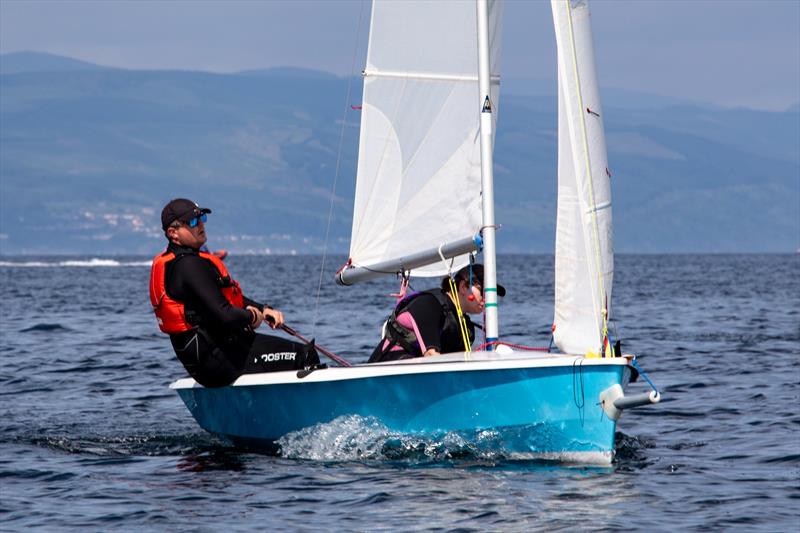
(45, 327)
(152, 445)
(93, 262)
(346, 439)
(356, 438)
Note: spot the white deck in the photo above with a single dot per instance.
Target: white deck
(452, 362)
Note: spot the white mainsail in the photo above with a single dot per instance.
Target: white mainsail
(584, 266)
(419, 168)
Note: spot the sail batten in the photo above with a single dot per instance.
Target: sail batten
(425, 75)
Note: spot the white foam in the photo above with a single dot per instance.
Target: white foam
(347, 438)
(567, 458)
(72, 263)
(357, 438)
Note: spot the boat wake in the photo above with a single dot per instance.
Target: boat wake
(345, 439)
(630, 450)
(357, 438)
(154, 445)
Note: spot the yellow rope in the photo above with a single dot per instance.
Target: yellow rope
(462, 322)
(604, 311)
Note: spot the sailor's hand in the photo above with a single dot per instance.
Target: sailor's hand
(431, 351)
(273, 317)
(256, 316)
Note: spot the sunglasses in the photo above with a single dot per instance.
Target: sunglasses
(196, 220)
(475, 283)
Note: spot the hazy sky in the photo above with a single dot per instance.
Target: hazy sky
(728, 52)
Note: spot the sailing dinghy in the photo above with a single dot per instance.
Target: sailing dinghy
(424, 203)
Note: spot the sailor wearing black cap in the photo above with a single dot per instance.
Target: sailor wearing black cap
(210, 322)
(427, 323)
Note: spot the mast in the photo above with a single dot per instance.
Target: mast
(487, 179)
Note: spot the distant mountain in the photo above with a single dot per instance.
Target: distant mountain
(19, 62)
(612, 96)
(89, 156)
(295, 73)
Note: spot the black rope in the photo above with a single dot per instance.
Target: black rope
(575, 388)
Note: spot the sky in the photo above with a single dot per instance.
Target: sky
(734, 53)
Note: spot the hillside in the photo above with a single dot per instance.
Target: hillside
(88, 155)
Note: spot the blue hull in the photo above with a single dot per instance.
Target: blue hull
(539, 410)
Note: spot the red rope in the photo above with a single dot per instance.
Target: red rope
(349, 262)
(403, 289)
(511, 345)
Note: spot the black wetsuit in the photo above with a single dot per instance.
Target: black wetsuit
(222, 346)
(437, 322)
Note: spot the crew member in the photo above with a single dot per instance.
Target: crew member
(427, 323)
(210, 322)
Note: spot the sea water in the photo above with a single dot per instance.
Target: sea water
(91, 437)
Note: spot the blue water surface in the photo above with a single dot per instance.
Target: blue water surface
(92, 438)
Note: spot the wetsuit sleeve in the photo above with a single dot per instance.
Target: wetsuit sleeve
(195, 282)
(249, 301)
(428, 315)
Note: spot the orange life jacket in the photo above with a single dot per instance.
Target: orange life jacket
(170, 313)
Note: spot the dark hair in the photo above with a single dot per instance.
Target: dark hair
(477, 278)
(463, 275)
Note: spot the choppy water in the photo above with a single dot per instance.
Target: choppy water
(92, 438)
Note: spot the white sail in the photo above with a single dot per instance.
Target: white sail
(584, 266)
(419, 169)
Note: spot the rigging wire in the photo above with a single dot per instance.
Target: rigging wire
(338, 164)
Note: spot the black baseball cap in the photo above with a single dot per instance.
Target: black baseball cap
(477, 275)
(181, 209)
